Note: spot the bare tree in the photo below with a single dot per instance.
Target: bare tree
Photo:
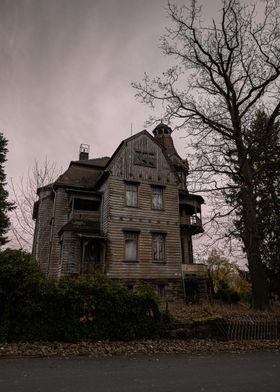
(225, 71)
(24, 195)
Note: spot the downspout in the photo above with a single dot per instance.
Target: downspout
(52, 230)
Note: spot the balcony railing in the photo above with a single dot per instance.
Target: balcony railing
(193, 220)
(194, 269)
(192, 223)
(85, 215)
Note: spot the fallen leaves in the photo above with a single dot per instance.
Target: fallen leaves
(106, 348)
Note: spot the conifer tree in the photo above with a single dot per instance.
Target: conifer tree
(5, 205)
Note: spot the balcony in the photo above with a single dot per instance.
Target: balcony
(85, 215)
(194, 269)
(192, 222)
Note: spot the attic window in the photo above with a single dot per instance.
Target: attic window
(86, 205)
(144, 158)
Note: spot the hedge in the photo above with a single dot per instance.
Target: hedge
(34, 308)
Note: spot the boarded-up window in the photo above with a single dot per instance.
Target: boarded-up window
(144, 159)
(157, 198)
(159, 247)
(131, 194)
(131, 245)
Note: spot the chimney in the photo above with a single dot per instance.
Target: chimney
(84, 151)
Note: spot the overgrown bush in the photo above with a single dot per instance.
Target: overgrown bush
(87, 307)
(230, 284)
(226, 293)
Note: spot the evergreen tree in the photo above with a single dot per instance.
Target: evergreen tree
(5, 205)
(264, 157)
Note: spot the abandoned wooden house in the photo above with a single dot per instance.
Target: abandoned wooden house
(129, 216)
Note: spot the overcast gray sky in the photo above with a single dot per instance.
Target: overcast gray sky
(65, 73)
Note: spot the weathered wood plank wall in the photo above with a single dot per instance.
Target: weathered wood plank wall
(143, 218)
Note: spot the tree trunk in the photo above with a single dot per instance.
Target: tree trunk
(250, 236)
(251, 240)
(260, 299)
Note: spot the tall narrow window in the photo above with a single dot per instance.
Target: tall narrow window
(159, 247)
(131, 194)
(131, 245)
(157, 197)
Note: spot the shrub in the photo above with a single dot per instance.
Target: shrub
(87, 307)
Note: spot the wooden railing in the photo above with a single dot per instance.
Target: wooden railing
(198, 269)
(87, 215)
(193, 220)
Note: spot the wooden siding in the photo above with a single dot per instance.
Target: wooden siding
(61, 212)
(123, 165)
(104, 189)
(143, 217)
(42, 233)
(70, 254)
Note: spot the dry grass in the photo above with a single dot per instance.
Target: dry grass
(183, 312)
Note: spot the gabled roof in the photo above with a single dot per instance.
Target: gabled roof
(146, 133)
(92, 172)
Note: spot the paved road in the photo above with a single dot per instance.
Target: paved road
(173, 372)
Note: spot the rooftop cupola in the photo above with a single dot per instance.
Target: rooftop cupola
(162, 134)
(162, 129)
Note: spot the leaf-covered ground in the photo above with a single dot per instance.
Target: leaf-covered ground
(103, 348)
(182, 313)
